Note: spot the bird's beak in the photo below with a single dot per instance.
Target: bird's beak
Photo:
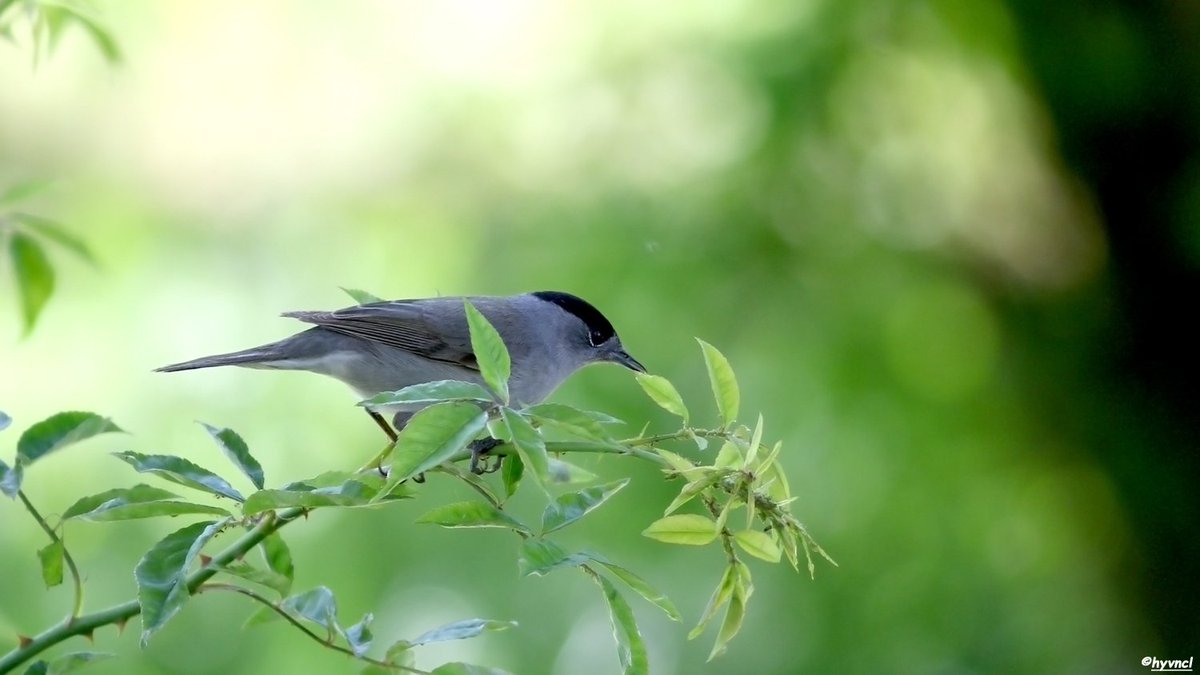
(622, 357)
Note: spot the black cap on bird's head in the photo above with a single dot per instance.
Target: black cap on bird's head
(600, 332)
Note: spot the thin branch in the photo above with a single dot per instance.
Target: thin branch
(250, 593)
(77, 607)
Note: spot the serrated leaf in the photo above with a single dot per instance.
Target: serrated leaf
(639, 586)
(491, 354)
(181, 471)
(462, 630)
(23, 190)
(758, 544)
(359, 636)
(317, 606)
(139, 501)
(58, 431)
(10, 479)
(278, 557)
(35, 276)
(472, 514)
(161, 574)
(431, 392)
(724, 384)
(238, 452)
(570, 507)
(529, 444)
(362, 297)
(631, 649)
(539, 557)
(432, 436)
(689, 529)
(51, 558)
(55, 232)
(269, 578)
(662, 392)
(511, 473)
(69, 663)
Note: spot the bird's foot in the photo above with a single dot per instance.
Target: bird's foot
(478, 450)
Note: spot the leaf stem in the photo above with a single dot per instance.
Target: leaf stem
(87, 623)
(252, 594)
(76, 581)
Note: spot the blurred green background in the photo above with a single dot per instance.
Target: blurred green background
(948, 247)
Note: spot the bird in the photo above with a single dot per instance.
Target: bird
(385, 346)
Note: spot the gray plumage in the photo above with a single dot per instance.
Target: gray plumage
(386, 346)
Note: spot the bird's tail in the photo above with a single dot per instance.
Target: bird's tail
(247, 357)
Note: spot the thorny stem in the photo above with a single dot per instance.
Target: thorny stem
(250, 593)
(77, 607)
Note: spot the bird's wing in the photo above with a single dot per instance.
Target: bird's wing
(403, 324)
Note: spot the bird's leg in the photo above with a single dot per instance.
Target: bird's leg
(377, 463)
(479, 449)
(382, 424)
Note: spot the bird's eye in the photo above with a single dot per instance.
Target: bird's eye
(596, 338)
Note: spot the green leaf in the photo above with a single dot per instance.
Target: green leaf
(432, 436)
(490, 352)
(35, 276)
(758, 544)
(570, 507)
(269, 578)
(24, 190)
(511, 473)
(631, 650)
(181, 471)
(51, 558)
(539, 557)
(10, 479)
(735, 613)
(462, 630)
(687, 529)
(460, 668)
(38, 668)
(279, 558)
(639, 586)
(317, 606)
(55, 232)
(161, 574)
(69, 663)
(680, 465)
(662, 392)
(729, 457)
(260, 616)
(359, 636)
(475, 480)
(755, 441)
(57, 432)
(139, 501)
(720, 596)
(569, 420)
(689, 491)
(431, 392)
(724, 384)
(529, 444)
(362, 297)
(565, 473)
(5, 420)
(472, 514)
(355, 490)
(238, 452)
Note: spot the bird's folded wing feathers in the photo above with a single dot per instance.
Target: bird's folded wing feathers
(397, 324)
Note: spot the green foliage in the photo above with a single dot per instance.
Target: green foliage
(22, 236)
(742, 475)
(45, 21)
(362, 297)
